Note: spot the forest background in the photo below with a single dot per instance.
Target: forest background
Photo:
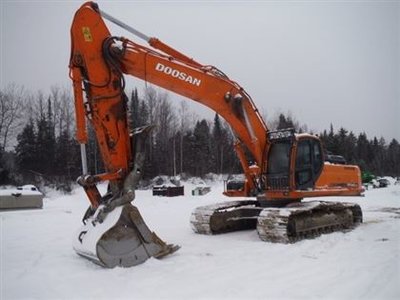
(37, 143)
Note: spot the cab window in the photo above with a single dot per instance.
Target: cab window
(308, 163)
(279, 158)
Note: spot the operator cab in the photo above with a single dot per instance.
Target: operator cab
(286, 146)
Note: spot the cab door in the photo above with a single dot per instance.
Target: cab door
(309, 163)
(279, 165)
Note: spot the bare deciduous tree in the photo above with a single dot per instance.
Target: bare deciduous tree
(184, 126)
(63, 110)
(12, 100)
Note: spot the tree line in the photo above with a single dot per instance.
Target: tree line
(375, 155)
(45, 149)
(37, 141)
(181, 143)
(371, 155)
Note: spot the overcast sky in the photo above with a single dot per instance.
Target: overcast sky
(326, 62)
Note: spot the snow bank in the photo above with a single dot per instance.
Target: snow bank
(38, 262)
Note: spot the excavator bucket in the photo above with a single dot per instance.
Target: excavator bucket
(121, 239)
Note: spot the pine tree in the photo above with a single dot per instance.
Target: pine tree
(50, 140)
(350, 149)
(393, 158)
(333, 145)
(284, 122)
(67, 157)
(4, 173)
(217, 145)
(134, 109)
(26, 152)
(341, 140)
(202, 148)
(190, 158)
(94, 160)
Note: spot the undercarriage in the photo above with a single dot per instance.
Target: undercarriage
(288, 224)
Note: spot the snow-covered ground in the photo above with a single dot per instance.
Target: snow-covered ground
(38, 262)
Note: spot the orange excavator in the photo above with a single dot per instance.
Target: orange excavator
(281, 167)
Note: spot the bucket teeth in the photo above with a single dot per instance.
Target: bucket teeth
(122, 239)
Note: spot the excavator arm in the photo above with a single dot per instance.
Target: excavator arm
(114, 232)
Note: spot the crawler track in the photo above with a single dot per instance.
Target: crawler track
(279, 225)
(225, 217)
(306, 220)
